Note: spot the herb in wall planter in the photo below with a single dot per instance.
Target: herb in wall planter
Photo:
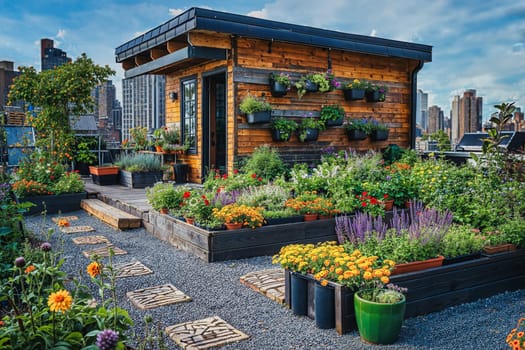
(256, 110)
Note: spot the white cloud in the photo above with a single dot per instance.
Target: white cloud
(373, 32)
(61, 33)
(175, 12)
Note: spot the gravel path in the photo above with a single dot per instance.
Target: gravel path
(216, 290)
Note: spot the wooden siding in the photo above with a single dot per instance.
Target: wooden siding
(248, 67)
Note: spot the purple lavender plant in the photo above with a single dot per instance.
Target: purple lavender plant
(225, 197)
(107, 339)
(359, 228)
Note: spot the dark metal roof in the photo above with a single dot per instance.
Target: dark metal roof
(222, 22)
(473, 142)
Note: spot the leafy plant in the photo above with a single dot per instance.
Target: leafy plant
(285, 126)
(362, 124)
(265, 162)
(381, 89)
(356, 84)
(251, 104)
(165, 195)
(139, 136)
(83, 153)
(376, 125)
(139, 162)
(331, 112)
(69, 183)
(320, 79)
(461, 240)
(281, 78)
(307, 123)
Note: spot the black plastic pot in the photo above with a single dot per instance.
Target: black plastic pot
(181, 173)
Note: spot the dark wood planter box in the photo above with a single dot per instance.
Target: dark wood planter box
(278, 136)
(335, 122)
(356, 135)
(437, 288)
(462, 258)
(372, 96)
(311, 134)
(277, 89)
(354, 94)
(379, 135)
(139, 179)
(105, 180)
(223, 245)
(54, 203)
(259, 117)
(287, 220)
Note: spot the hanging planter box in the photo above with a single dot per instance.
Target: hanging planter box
(278, 89)
(379, 135)
(139, 179)
(335, 122)
(259, 117)
(356, 135)
(372, 96)
(353, 94)
(311, 134)
(310, 86)
(278, 136)
(54, 203)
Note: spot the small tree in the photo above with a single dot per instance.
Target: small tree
(55, 95)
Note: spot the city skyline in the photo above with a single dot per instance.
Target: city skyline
(475, 46)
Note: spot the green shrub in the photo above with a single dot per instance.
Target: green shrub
(461, 240)
(69, 183)
(265, 162)
(139, 162)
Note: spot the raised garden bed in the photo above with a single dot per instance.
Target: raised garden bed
(54, 203)
(139, 179)
(436, 288)
(237, 244)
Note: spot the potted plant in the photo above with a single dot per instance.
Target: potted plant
(312, 83)
(236, 216)
(139, 170)
(84, 157)
(279, 84)
(256, 110)
(308, 130)
(282, 128)
(196, 207)
(163, 197)
(378, 131)
(332, 115)
(357, 129)
(375, 93)
(355, 90)
(104, 174)
(139, 135)
(379, 313)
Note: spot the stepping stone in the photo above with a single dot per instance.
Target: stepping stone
(204, 334)
(91, 240)
(269, 283)
(152, 297)
(67, 218)
(76, 229)
(110, 215)
(104, 251)
(135, 268)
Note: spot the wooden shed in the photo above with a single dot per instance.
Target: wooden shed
(213, 59)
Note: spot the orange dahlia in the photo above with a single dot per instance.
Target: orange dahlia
(30, 269)
(94, 269)
(60, 301)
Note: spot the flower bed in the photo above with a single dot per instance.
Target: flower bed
(434, 289)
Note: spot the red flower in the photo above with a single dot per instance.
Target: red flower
(203, 197)
(373, 201)
(385, 196)
(254, 176)
(235, 171)
(52, 177)
(363, 204)
(206, 202)
(225, 176)
(186, 194)
(364, 194)
(259, 178)
(217, 177)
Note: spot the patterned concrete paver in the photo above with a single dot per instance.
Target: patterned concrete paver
(67, 218)
(76, 229)
(134, 268)
(267, 282)
(204, 334)
(104, 251)
(91, 240)
(152, 297)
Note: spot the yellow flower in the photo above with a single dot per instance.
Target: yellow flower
(385, 279)
(94, 269)
(367, 275)
(324, 283)
(60, 301)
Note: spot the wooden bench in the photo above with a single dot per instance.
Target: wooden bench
(110, 215)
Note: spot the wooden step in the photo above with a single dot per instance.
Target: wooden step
(110, 215)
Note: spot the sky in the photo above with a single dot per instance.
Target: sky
(476, 44)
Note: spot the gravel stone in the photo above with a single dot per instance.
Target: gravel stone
(216, 290)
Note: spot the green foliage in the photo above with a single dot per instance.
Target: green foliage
(514, 231)
(251, 104)
(320, 79)
(461, 240)
(308, 123)
(443, 141)
(495, 137)
(60, 93)
(139, 137)
(362, 124)
(285, 126)
(137, 162)
(83, 152)
(331, 112)
(165, 195)
(271, 197)
(281, 78)
(356, 84)
(69, 183)
(265, 162)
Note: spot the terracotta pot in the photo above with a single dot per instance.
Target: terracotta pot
(310, 217)
(235, 226)
(164, 211)
(190, 221)
(499, 248)
(389, 204)
(418, 265)
(324, 217)
(158, 148)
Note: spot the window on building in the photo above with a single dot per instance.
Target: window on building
(189, 114)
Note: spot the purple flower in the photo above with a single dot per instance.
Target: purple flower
(388, 177)
(46, 246)
(20, 261)
(107, 339)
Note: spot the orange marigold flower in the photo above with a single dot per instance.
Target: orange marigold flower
(63, 223)
(94, 269)
(324, 283)
(520, 334)
(60, 301)
(385, 279)
(30, 269)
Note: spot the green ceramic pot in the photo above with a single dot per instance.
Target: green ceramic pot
(378, 323)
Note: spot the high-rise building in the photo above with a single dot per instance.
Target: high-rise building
(454, 120)
(104, 97)
(518, 119)
(470, 112)
(422, 109)
(143, 99)
(50, 56)
(7, 74)
(436, 119)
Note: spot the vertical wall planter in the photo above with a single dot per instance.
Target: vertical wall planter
(311, 134)
(372, 96)
(353, 94)
(259, 117)
(139, 179)
(181, 173)
(356, 135)
(278, 89)
(335, 122)
(279, 136)
(311, 87)
(379, 135)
